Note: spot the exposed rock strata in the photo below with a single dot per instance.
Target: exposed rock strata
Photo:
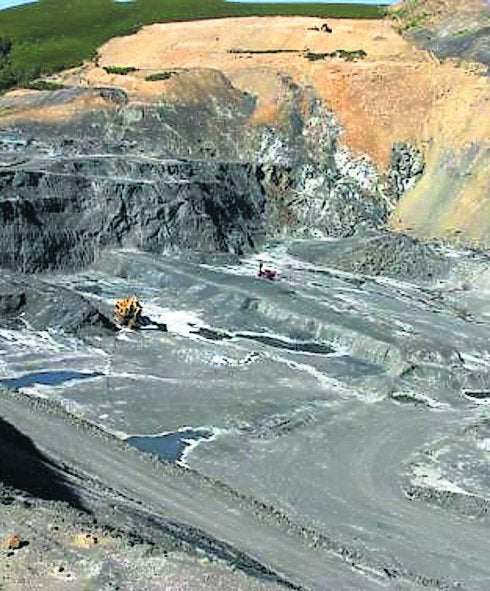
(262, 105)
(107, 178)
(57, 214)
(277, 146)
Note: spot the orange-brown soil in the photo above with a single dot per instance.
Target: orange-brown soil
(396, 93)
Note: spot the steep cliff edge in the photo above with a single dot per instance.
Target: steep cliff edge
(452, 200)
(58, 213)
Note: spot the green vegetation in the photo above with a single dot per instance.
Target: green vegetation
(160, 76)
(121, 70)
(413, 22)
(464, 33)
(348, 56)
(262, 51)
(409, 15)
(44, 85)
(7, 77)
(52, 35)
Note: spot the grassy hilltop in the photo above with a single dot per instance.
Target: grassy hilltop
(51, 35)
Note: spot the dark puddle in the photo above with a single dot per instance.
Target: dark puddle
(477, 394)
(299, 347)
(46, 378)
(212, 334)
(95, 289)
(339, 365)
(170, 446)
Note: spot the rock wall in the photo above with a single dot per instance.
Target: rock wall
(269, 145)
(58, 213)
(162, 177)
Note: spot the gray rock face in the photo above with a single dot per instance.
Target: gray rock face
(338, 207)
(44, 305)
(57, 214)
(182, 176)
(406, 167)
(340, 196)
(468, 41)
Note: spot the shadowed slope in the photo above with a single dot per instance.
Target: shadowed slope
(24, 467)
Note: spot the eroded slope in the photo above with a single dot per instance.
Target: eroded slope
(235, 80)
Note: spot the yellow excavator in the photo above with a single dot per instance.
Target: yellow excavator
(128, 312)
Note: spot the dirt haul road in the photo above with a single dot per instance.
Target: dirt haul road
(219, 521)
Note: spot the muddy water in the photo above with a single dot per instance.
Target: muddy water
(357, 405)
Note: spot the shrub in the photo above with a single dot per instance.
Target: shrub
(120, 70)
(160, 76)
(44, 85)
(348, 56)
(351, 56)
